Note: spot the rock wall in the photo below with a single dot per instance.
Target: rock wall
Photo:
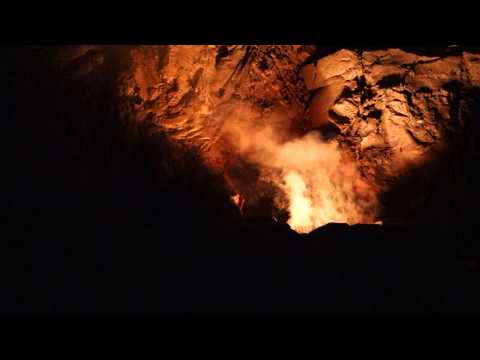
(407, 120)
(407, 117)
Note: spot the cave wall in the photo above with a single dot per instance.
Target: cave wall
(76, 156)
(409, 121)
(406, 116)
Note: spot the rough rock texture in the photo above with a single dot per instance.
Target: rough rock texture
(189, 91)
(403, 117)
(78, 147)
(398, 113)
(407, 117)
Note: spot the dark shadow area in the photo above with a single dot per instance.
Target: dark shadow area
(104, 218)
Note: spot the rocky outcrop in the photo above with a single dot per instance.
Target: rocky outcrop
(398, 113)
(407, 117)
(190, 91)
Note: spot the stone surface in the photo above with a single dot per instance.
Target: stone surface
(397, 111)
(190, 91)
(336, 68)
(472, 66)
(392, 110)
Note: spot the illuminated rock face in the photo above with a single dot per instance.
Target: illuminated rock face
(406, 119)
(190, 91)
(398, 114)
(199, 91)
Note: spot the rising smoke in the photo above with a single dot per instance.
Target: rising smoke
(317, 184)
